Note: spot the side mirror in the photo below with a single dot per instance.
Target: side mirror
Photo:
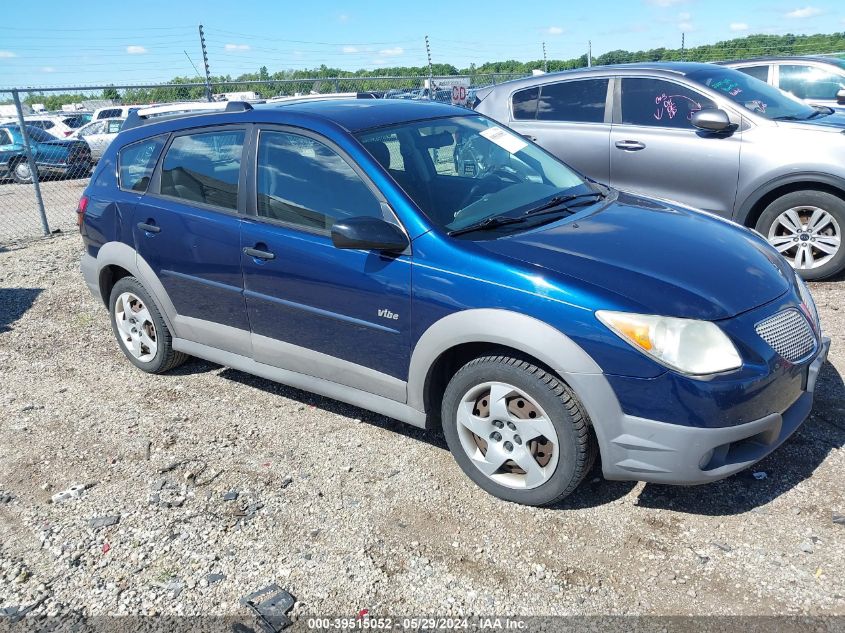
(371, 234)
(840, 96)
(712, 120)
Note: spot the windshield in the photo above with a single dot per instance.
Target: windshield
(753, 94)
(463, 169)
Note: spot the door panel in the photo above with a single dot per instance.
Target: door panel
(350, 304)
(656, 151)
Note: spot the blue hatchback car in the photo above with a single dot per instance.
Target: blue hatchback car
(423, 262)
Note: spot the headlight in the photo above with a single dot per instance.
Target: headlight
(807, 303)
(690, 346)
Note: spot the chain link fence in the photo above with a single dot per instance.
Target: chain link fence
(46, 156)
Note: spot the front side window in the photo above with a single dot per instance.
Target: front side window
(5, 139)
(204, 168)
(811, 82)
(483, 170)
(136, 163)
(93, 128)
(304, 182)
(576, 101)
(660, 103)
(758, 72)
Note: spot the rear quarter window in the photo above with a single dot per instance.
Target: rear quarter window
(137, 162)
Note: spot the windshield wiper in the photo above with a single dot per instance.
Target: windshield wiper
(556, 204)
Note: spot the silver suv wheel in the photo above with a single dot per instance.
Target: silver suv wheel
(136, 327)
(808, 236)
(507, 435)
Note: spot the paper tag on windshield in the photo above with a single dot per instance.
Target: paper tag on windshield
(507, 142)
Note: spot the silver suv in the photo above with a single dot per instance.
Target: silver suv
(819, 81)
(705, 135)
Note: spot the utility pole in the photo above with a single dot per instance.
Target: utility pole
(589, 53)
(430, 72)
(545, 61)
(205, 61)
(683, 38)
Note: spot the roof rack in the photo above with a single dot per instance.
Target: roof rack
(176, 110)
(322, 96)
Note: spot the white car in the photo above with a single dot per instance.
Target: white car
(111, 112)
(53, 125)
(99, 135)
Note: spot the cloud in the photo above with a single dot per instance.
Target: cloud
(685, 16)
(136, 50)
(806, 12)
(7, 54)
(554, 30)
(391, 52)
(664, 3)
(379, 62)
(343, 17)
(236, 47)
(48, 69)
(351, 49)
(738, 26)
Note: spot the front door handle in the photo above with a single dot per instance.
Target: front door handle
(533, 139)
(149, 228)
(258, 253)
(630, 146)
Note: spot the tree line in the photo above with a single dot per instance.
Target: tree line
(325, 79)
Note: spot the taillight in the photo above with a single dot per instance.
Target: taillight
(80, 210)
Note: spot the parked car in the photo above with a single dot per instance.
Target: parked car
(818, 80)
(99, 135)
(704, 135)
(76, 120)
(534, 316)
(112, 112)
(53, 157)
(53, 125)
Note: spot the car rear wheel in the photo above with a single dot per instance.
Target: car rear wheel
(806, 228)
(516, 430)
(22, 173)
(140, 329)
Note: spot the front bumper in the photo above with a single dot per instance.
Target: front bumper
(636, 448)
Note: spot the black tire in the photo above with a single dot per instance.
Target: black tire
(577, 450)
(166, 358)
(21, 178)
(809, 198)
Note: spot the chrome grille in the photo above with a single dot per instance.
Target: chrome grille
(789, 334)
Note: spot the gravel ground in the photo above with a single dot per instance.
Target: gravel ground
(348, 510)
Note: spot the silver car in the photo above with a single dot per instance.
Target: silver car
(99, 135)
(818, 80)
(704, 135)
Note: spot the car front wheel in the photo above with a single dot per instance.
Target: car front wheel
(516, 430)
(806, 228)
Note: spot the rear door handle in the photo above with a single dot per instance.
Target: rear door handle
(533, 139)
(630, 146)
(149, 228)
(258, 254)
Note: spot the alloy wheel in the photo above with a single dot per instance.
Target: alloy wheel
(807, 236)
(507, 435)
(135, 326)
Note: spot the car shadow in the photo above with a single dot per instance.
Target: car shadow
(795, 461)
(789, 465)
(14, 302)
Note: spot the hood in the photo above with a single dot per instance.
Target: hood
(832, 123)
(662, 259)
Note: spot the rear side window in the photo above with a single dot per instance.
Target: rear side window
(304, 182)
(525, 104)
(758, 72)
(137, 162)
(114, 127)
(577, 101)
(107, 114)
(204, 168)
(659, 103)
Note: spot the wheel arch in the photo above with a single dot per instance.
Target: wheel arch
(116, 260)
(457, 338)
(755, 203)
